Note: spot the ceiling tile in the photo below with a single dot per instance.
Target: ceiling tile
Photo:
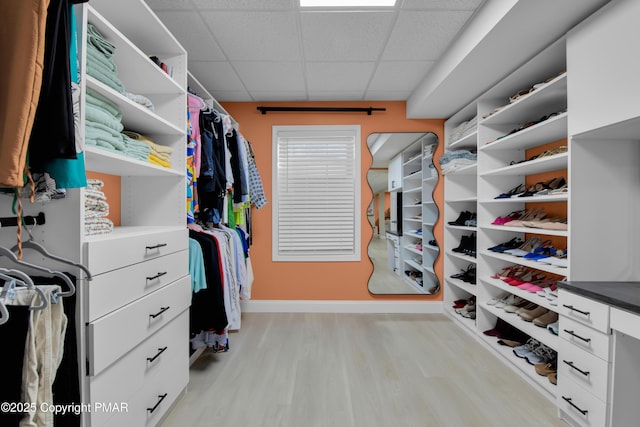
(382, 95)
(275, 96)
(215, 75)
(272, 76)
(348, 36)
(232, 96)
(169, 4)
(441, 4)
(256, 35)
(245, 4)
(335, 76)
(423, 35)
(402, 75)
(192, 34)
(339, 95)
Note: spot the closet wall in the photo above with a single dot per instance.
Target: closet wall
(318, 281)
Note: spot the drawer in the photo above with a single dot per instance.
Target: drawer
(584, 310)
(584, 337)
(151, 403)
(585, 369)
(579, 405)
(165, 350)
(120, 250)
(110, 291)
(115, 334)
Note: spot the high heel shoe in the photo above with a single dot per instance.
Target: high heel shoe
(553, 184)
(534, 216)
(514, 191)
(528, 246)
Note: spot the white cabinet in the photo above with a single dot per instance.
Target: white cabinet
(395, 173)
(136, 307)
(602, 71)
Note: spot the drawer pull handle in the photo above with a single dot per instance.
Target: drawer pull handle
(585, 373)
(157, 276)
(573, 334)
(568, 400)
(572, 308)
(162, 310)
(158, 246)
(160, 399)
(160, 351)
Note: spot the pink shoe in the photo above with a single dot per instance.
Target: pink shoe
(539, 287)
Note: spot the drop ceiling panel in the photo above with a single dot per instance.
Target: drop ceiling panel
(253, 36)
(192, 33)
(389, 95)
(334, 76)
(157, 5)
(352, 36)
(339, 95)
(274, 76)
(216, 76)
(245, 4)
(234, 96)
(423, 35)
(400, 76)
(281, 95)
(442, 4)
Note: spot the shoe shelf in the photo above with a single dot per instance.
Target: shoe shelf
(541, 231)
(549, 98)
(461, 284)
(412, 190)
(419, 220)
(552, 129)
(465, 170)
(529, 296)
(463, 199)
(466, 142)
(522, 366)
(539, 333)
(412, 234)
(431, 248)
(429, 179)
(413, 160)
(430, 202)
(468, 324)
(563, 197)
(560, 271)
(412, 263)
(545, 164)
(461, 227)
(414, 250)
(464, 257)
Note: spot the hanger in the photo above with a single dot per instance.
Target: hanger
(4, 318)
(72, 289)
(28, 283)
(32, 244)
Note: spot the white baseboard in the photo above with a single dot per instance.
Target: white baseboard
(307, 306)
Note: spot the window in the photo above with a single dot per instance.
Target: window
(316, 192)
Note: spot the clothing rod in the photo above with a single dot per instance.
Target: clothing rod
(12, 221)
(367, 110)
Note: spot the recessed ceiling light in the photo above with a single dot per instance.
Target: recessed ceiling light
(347, 3)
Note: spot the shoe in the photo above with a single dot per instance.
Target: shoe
(541, 354)
(501, 297)
(509, 343)
(545, 319)
(553, 378)
(553, 327)
(520, 303)
(464, 216)
(528, 347)
(514, 191)
(511, 244)
(529, 314)
(510, 300)
(433, 243)
(544, 369)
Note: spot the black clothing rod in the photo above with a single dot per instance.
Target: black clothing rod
(27, 220)
(368, 110)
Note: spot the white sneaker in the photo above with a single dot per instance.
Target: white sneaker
(498, 299)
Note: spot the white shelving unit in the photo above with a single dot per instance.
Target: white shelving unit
(504, 134)
(419, 214)
(460, 194)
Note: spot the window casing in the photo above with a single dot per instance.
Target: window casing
(316, 193)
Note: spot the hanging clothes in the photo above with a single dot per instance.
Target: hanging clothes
(14, 336)
(23, 42)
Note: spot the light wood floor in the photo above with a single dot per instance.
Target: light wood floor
(369, 370)
(383, 280)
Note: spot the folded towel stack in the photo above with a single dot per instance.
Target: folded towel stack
(159, 154)
(140, 99)
(100, 63)
(135, 149)
(96, 209)
(103, 123)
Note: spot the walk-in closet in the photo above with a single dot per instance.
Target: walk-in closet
(312, 213)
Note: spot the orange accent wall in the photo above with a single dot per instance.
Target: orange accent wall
(322, 280)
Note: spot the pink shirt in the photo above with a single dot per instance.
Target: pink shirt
(194, 103)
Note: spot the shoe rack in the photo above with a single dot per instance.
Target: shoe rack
(460, 195)
(520, 141)
(419, 214)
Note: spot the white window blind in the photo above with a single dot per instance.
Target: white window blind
(316, 206)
